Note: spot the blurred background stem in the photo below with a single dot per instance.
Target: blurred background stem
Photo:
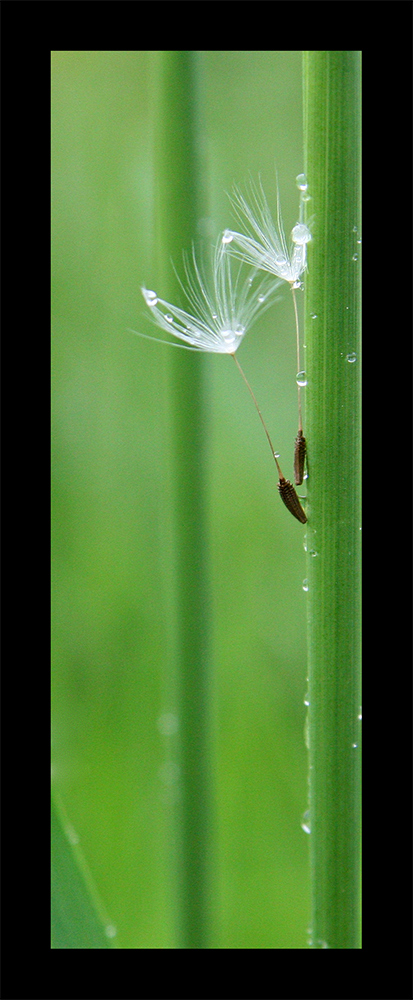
(333, 364)
(179, 207)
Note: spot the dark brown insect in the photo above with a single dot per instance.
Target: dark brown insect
(299, 458)
(290, 499)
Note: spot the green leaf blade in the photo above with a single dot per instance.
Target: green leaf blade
(76, 922)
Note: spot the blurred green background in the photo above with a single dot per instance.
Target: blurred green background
(113, 722)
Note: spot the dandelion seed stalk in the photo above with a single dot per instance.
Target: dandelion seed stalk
(285, 488)
(274, 454)
(297, 329)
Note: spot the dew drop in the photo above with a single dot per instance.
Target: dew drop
(301, 378)
(228, 336)
(313, 316)
(168, 724)
(301, 234)
(150, 297)
(305, 585)
(355, 256)
(227, 236)
(262, 298)
(72, 836)
(301, 182)
(277, 258)
(169, 318)
(351, 358)
(305, 822)
(169, 773)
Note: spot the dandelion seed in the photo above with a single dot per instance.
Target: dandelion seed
(290, 499)
(300, 449)
(265, 247)
(223, 310)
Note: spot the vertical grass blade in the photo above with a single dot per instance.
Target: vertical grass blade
(333, 364)
(179, 207)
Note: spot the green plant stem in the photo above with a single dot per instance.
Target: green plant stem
(333, 365)
(178, 186)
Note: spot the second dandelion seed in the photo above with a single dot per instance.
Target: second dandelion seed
(264, 246)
